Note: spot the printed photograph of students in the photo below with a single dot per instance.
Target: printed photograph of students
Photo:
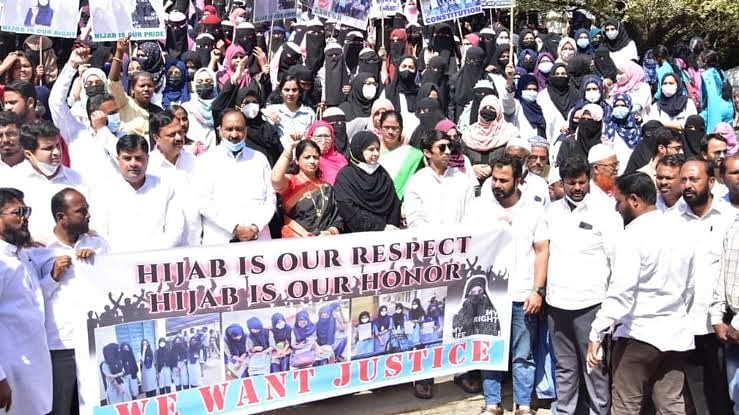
(149, 358)
(257, 342)
(397, 322)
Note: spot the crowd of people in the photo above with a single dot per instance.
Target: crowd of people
(614, 168)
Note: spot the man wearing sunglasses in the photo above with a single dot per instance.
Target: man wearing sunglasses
(25, 364)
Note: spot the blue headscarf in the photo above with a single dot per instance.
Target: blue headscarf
(626, 128)
(382, 323)
(235, 347)
(522, 55)
(193, 351)
(595, 79)
(326, 326)
(175, 96)
(148, 354)
(283, 334)
(261, 338)
(531, 110)
(588, 50)
(302, 333)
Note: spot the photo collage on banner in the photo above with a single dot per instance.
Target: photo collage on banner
(270, 10)
(116, 19)
(437, 11)
(352, 13)
(52, 18)
(384, 8)
(234, 330)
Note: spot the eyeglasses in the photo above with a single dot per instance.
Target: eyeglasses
(612, 166)
(21, 212)
(443, 147)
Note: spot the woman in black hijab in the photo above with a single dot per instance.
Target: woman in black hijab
(578, 67)
(365, 193)
(561, 91)
(315, 42)
(644, 151)
(176, 36)
(604, 66)
(428, 114)
(369, 61)
(429, 90)
(260, 134)
(443, 43)
(695, 129)
(437, 73)
(471, 72)
(336, 75)
(352, 48)
(403, 86)
(359, 104)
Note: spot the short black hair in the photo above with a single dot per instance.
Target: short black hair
(96, 101)
(722, 168)
(706, 165)
(709, 137)
(134, 80)
(58, 201)
(10, 118)
(392, 113)
(131, 142)
(573, 167)
(9, 194)
(24, 88)
(505, 160)
(638, 184)
(160, 119)
(299, 149)
(428, 138)
(672, 160)
(32, 131)
(663, 137)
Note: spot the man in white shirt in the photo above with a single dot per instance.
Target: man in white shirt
(172, 163)
(11, 152)
(648, 298)
(137, 211)
(706, 221)
(25, 365)
(44, 174)
(234, 187)
(436, 194)
(527, 219)
(62, 290)
(669, 189)
(538, 160)
(603, 171)
(533, 187)
(583, 232)
(730, 173)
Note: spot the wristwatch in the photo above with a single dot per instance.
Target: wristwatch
(542, 291)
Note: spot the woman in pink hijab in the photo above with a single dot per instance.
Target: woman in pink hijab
(234, 55)
(630, 80)
(725, 130)
(322, 133)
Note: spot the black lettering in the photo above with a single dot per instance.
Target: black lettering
(281, 260)
(359, 255)
(148, 270)
(217, 268)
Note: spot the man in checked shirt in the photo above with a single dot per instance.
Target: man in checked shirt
(726, 301)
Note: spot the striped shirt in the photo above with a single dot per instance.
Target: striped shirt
(727, 289)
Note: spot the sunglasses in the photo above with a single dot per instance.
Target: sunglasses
(21, 212)
(443, 147)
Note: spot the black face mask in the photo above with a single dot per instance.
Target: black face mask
(407, 76)
(93, 90)
(488, 114)
(204, 91)
(175, 82)
(589, 128)
(475, 298)
(559, 82)
(529, 66)
(529, 45)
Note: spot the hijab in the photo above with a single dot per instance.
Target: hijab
(644, 151)
(335, 116)
(287, 56)
(621, 41)
(692, 136)
(331, 161)
(541, 77)
(398, 50)
(261, 338)
(577, 69)
(112, 356)
(403, 83)
(302, 333)
(427, 88)
(487, 41)
(604, 65)
(276, 38)
(588, 50)
(336, 75)
(435, 71)
(398, 318)
(523, 45)
(634, 74)
(373, 192)
(370, 62)
(675, 104)
(469, 75)
(283, 334)
(417, 313)
(532, 58)
(172, 94)
(176, 39)
(315, 42)
(561, 91)
(326, 326)
(379, 104)
(488, 135)
(428, 119)
(725, 130)
(456, 158)
(179, 349)
(204, 44)
(531, 110)
(352, 48)
(152, 61)
(229, 67)
(148, 355)
(129, 360)
(482, 89)
(627, 127)
(193, 350)
(358, 106)
(204, 107)
(163, 354)
(235, 347)
(383, 322)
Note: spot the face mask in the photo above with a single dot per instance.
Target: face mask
(47, 169)
(414, 306)
(191, 73)
(669, 90)
(398, 311)
(488, 115)
(204, 91)
(545, 67)
(529, 96)
(364, 320)
(566, 55)
(559, 82)
(589, 127)
(500, 41)
(620, 112)
(612, 34)
(369, 91)
(383, 313)
(93, 90)
(475, 298)
(234, 147)
(583, 43)
(529, 45)
(529, 66)
(162, 344)
(592, 96)
(174, 81)
(406, 75)
(250, 110)
(114, 122)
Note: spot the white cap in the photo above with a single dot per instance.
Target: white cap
(484, 83)
(553, 175)
(519, 142)
(595, 111)
(332, 45)
(600, 152)
(487, 31)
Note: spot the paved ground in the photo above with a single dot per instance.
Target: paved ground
(399, 400)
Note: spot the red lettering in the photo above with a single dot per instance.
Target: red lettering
(364, 369)
(247, 395)
(276, 384)
(213, 397)
(167, 404)
(438, 355)
(132, 407)
(393, 365)
(416, 357)
(345, 377)
(454, 354)
(303, 377)
(480, 351)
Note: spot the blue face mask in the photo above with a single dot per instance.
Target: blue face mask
(114, 122)
(583, 43)
(620, 112)
(234, 147)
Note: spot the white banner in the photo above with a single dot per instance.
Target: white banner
(52, 18)
(269, 10)
(115, 19)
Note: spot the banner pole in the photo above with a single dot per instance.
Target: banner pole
(271, 39)
(40, 57)
(459, 26)
(382, 26)
(510, 35)
(491, 18)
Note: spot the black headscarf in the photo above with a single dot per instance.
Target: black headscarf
(589, 133)
(471, 72)
(403, 83)
(437, 73)
(336, 75)
(675, 104)
(644, 151)
(495, 57)
(298, 33)
(260, 135)
(176, 38)
(337, 119)
(479, 93)
(621, 41)
(315, 42)
(370, 62)
(129, 360)
(288, 58)
(443, 43)
(148, 355)
(531, 110)
(429, 114)
(426, 88)
(522, 45)
(245, 35)
(604, 65)
(277, 38)
(203, 45)
(352, 47)
(487, 42)
(578, 67)
(371, 192)
(357, 106)
(561, 91)
(695, 129)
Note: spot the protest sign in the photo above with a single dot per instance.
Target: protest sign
(384, 8)
(437, 11)
(269, 10)
(50, 18)
(496, 4)
(352, 13)
(115, 19)
(264, 325)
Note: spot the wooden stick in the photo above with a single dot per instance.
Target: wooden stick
(41, 57)
(461, 35)
(510, 36)
(271, 39)
(382, 26)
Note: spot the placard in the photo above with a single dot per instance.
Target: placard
(115, 19)
(384, 8)
(437, 11)
(269, 10)
(52, 18)
(352, 13)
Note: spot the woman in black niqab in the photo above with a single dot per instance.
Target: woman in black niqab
(437, 73)
(604, 65)
(404, 83)
(693, 133)
(429, 114)
(644, 151)
(315, 42)
(352, 48)
(443, 43)
(561, 91)
(578, 67)
(370, 62)
(336, 75)
(471, 72)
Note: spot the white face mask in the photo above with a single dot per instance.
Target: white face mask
(612, 34)
(592, 96)
(383, 313)
(545, 67)
(669, 90)
(528, 95)
(369, 168)
(566, 55)
(620, 112)
(572, 202)
(280, 325)
(369, 91)
(364, 320)
(47, 169)
(250, 110)
(414, 306)
(502, 41)
(583, 43)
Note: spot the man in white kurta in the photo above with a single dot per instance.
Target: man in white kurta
(25, 364)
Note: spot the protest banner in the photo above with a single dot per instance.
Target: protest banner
(352, 13)
(50, 18)
(384, 8)
(264, 325)
(270, 10)
(496, 4)
(115, 19)
(437, 11)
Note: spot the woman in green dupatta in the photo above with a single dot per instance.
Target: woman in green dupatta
(400, 160)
